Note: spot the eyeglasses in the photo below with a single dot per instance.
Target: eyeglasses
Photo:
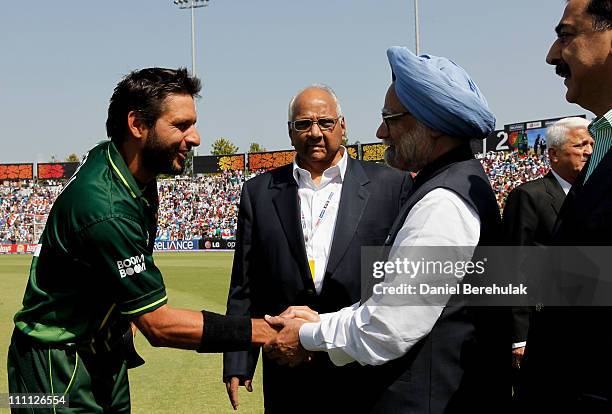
(325, 124)
(391, 117)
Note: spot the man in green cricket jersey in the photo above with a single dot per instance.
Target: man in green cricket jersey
(93, 273)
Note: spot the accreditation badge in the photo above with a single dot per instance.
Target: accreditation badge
(311, 265)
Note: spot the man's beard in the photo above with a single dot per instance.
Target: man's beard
(412, 151)
(159, 157)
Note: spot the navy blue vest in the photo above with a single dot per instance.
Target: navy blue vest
(460, 366)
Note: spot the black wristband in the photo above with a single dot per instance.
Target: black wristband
(225, 333)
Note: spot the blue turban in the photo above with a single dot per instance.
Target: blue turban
(440, 94)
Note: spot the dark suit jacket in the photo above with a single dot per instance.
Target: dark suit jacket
(271, 272)
(569, 356)
(529, 218)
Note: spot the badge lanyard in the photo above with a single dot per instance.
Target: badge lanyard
(311, 233)
(308, 237)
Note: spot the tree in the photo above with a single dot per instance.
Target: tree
(187, 171)
(345, 141)
(255, 147)
(223, 146)
(73, 158)
(189, 163)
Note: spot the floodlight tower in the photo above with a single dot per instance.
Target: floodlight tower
(192, 4)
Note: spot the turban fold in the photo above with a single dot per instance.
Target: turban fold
(440, 94)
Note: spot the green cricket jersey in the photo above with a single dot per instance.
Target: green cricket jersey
(93, 269)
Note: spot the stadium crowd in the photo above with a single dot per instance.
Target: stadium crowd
(203, 207)
(23, 205)
(507, 170)
(207, 206)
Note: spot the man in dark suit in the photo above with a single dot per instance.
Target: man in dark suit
(300, 232)
(532, 208)
(568, 358)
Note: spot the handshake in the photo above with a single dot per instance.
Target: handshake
(280, 336)
(284, 346)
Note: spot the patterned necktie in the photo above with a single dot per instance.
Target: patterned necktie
(601, 131)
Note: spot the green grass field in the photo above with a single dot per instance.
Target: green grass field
(171, 381)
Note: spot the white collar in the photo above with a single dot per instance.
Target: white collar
(565, 185)
(338, 169)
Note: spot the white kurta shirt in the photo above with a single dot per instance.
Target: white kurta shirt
(375, 334)
(318, 212)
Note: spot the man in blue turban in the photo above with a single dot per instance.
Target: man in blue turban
(434, 358)
(440, 96)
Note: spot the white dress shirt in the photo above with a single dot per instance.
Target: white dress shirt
(316, 200)
(565, 185)
(375, 334)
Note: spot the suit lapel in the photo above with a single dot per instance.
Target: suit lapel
(590, 192)
(353, 200)
(554, 190)
(584, 195)
(568, 202)
(287, 208)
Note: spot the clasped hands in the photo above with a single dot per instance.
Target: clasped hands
(282, 344)
(285, 347)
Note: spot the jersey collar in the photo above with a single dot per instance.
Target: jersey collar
(118, 166)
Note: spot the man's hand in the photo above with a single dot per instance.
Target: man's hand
(301, 312)
(262, 332)
(286, 348)
(517, 357)
(232, 389)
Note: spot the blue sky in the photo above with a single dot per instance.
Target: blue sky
(61, 61)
